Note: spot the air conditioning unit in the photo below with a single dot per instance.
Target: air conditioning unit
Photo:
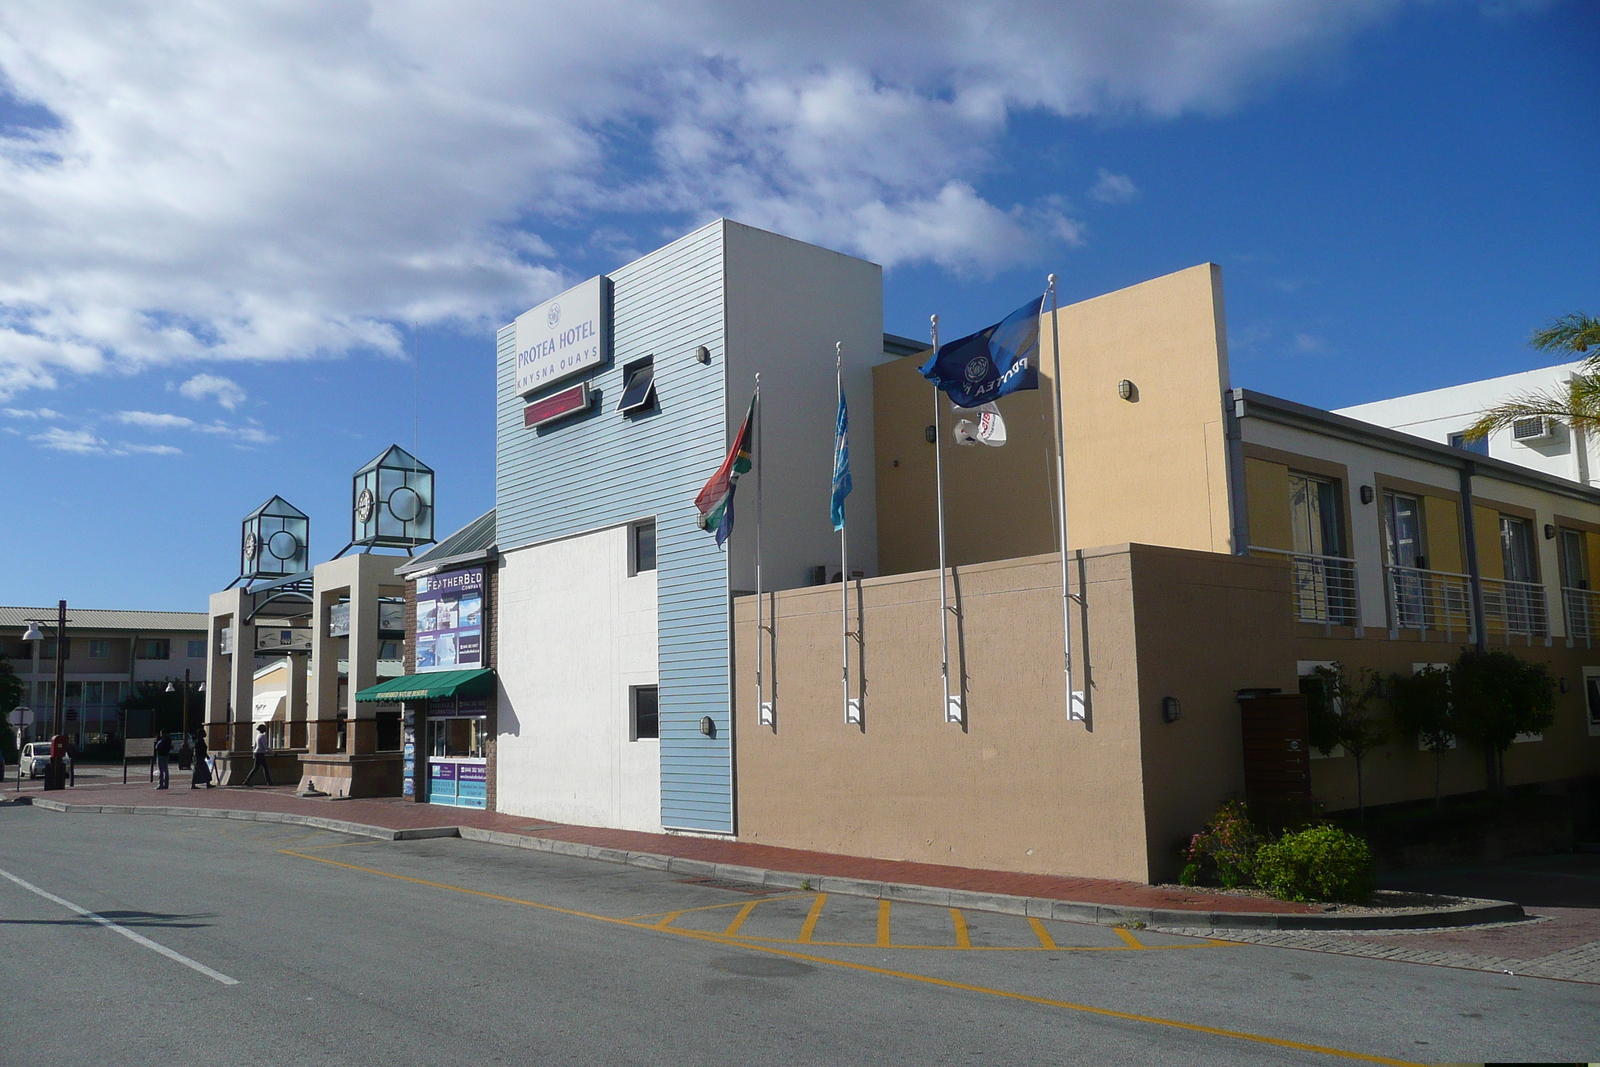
(1535, 430)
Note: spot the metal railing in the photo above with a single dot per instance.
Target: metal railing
(1325, 589)
(1582, 609)
(1424, 600)
(1514, 609)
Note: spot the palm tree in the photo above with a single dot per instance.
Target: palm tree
(1577, 404)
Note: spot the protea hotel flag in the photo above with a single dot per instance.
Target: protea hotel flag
(715, 501)
(986, 365)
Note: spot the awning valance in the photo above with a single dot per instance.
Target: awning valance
(432, 686)
(269, 706)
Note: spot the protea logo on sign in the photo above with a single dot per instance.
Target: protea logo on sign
(564, 336)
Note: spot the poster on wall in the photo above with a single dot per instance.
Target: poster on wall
(450, 621)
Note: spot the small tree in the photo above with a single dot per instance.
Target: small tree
(10, 698)
(1422, 712)
(1498, 696)
(1340, 712)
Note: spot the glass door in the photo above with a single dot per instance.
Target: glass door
(1402, 529)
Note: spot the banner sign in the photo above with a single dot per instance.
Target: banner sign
(450, 621)
(564, 336)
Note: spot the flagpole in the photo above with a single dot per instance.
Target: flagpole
(953, 712)
(844, 552)
(761, 692)
(1061, 478)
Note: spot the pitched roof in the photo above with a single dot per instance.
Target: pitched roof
(105, 619)
(475, 540)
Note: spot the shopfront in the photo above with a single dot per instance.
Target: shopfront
(445, 732)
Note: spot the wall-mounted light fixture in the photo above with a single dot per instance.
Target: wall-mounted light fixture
(1127, 390)
(1171, 710)
(1549, 532)
(1563, 685)
(708, 727)
(1367, 495)
(930, 435)
(702, 354)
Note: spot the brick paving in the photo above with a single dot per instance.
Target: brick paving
(398, 814)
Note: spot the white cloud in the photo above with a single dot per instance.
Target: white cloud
(153, 420)
(226, 391)
(154, 450)
(234, 182)
(1113, 188)
(81, 442)
(33, 413)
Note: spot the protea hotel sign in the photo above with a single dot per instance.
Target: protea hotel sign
(564, 336)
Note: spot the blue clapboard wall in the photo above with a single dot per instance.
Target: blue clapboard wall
(603, 469)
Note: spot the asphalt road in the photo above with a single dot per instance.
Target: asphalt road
(270, 944)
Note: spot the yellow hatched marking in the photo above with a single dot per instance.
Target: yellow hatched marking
(1045, 940)
(1127, 935)
(959, 921)
(707, 907)
(1087, 1009)
(738, 920)
(671, 916)
(809, 927)
(883, 923)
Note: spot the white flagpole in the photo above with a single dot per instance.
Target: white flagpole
(1061, 479)
(762, 716)
(844, 550)
(953, 711)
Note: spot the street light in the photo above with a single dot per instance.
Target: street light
(172, 687)
(57, 768)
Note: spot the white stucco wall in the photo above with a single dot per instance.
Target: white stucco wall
(575, 632)
(1438, 413)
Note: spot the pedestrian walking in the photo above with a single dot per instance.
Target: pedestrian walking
(202, 766)
(163, 756)
(261, 756)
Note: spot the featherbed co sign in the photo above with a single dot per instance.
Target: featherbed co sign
(564, 336)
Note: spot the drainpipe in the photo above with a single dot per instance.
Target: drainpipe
(1470, 525)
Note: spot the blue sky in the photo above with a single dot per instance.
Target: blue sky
(220, 235)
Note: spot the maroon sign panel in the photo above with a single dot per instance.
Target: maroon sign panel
(557, 406)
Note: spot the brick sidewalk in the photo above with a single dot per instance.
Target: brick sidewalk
(397, 814)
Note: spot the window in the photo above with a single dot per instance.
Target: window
(1315, 515)
(1402, 536)
(1516, 548)
(642, 549)
(47, 648)
(197, 649)
(154, 648)
(639, 388)
(1591, 696)
(1480, 445)
(1574, 559)
(99, 649)
(644, 712)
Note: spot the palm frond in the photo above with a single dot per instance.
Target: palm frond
(1575, 332)
(1577, 406)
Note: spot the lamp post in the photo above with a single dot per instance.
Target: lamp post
(172, 687)
(56, 779)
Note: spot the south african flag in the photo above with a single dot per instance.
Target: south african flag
(715, 501)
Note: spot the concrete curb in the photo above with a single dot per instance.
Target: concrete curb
(1484, 911)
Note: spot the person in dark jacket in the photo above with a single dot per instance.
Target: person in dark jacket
(202, 768)
(163, 756)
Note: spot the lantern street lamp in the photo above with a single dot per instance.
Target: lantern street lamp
(172, 687)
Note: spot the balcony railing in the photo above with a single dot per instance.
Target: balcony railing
(1582, 608)
(1514, 609)
(1428, 600)
(1324, 587)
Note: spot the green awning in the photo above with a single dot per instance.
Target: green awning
(432, 686)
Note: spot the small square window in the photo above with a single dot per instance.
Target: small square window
(642, 551)
(197, 649)
(644, 712)
(639, 388)
(156, 648)
(99, 649)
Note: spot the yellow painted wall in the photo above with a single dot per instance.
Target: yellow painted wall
(1486, 522)
(1268, 491)
(1593, 545)
(1443, 521)
(1153, 470)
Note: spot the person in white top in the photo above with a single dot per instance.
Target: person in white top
(261, 756)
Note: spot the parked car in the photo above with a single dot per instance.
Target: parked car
(35, 758)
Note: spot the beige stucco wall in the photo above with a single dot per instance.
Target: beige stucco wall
(1152, 470)
(1020, 788)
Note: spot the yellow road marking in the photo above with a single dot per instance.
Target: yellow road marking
(738, 920)
(1127, 935)
(716, 907)
(1045, 940)
(959, 921)
(666, 922)
(978, 948)
(883, 923)
(346, 844)
(810, 925)
(867, 968)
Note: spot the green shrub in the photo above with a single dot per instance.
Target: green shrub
(1321, 863)
(1224, 853)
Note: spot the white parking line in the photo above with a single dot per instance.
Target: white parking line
(177, 957)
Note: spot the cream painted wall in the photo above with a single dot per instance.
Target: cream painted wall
(575, 632)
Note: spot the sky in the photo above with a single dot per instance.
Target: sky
(245, 247)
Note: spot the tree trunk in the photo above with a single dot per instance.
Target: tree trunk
(1361, 802)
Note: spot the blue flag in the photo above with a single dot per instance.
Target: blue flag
(992, 362)
(841, 464)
